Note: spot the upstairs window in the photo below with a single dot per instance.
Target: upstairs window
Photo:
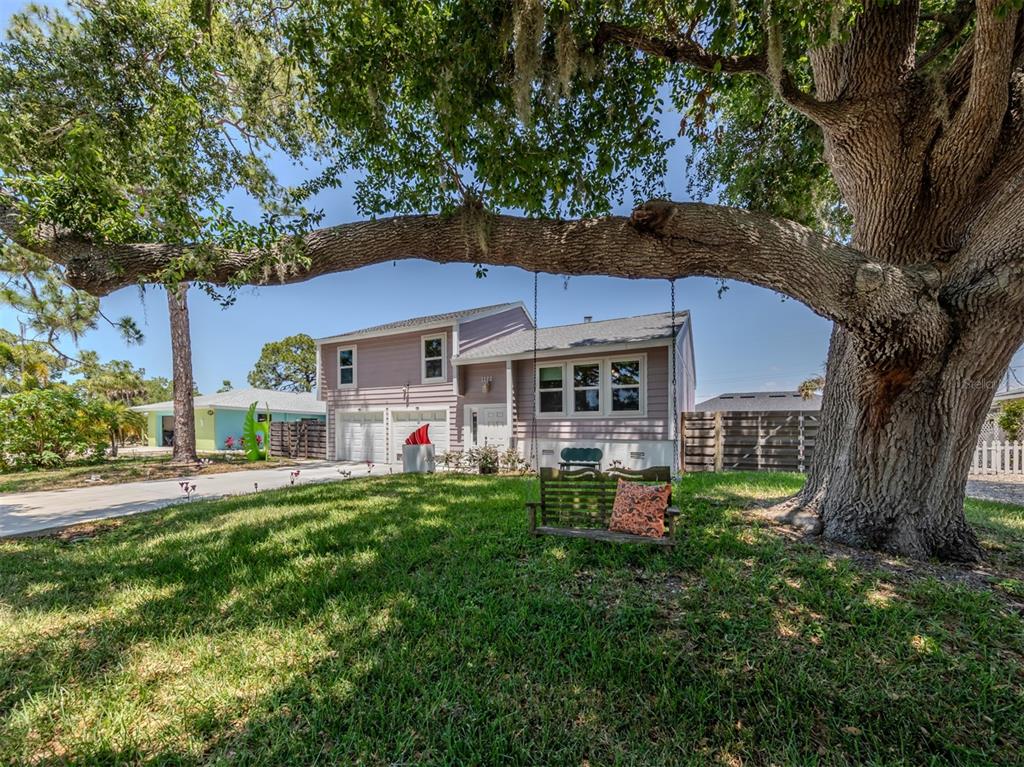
(433, 358)
(347, 367)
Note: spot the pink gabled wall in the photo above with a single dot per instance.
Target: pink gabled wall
(475, 333)
(394, 360)
(384, 365)
(652, 426)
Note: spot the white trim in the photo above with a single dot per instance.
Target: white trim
(455, 350)
(508, 397)
(355, 367)
(673, 419)
(443, 337)
(317, 387)
(605, 389)
(409, 330)
(603, 349)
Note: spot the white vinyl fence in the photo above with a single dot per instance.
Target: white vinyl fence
(998, 458)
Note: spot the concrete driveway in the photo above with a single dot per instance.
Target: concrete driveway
(25, 513)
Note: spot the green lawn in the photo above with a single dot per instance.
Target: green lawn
(410, 620)
(113, 471)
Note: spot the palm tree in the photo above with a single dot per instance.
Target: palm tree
(121, 422)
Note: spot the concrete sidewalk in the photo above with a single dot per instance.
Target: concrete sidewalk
(24, 513)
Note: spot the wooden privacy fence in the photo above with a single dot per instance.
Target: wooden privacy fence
(299, 439)
(771, 440)
(998, 458)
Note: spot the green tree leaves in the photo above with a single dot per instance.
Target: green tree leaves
(131, 120)
(1011, 419)
(286, 365)
(44, 427)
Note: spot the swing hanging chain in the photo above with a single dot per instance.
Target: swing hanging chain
(676, 467)
(535, 457)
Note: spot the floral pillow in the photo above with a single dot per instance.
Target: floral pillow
(640, 509)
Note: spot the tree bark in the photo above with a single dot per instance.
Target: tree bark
(895, 446)
(184, 450)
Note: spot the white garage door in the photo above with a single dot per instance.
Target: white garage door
(405, 422)
(360, 436)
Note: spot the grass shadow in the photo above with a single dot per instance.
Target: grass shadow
(413, 620)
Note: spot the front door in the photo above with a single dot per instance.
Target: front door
(167, 431)
(486, 425)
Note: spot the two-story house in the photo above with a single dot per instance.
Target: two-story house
(470, 375)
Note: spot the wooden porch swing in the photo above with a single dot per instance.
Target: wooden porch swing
(577, 503)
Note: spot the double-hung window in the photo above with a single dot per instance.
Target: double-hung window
(551, 384)
(347, 367)
(625, 385)
(586, 387)
(433, 358)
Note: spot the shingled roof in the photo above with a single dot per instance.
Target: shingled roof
(429, 320)
(759, 400)
(580, 336)
(240, 399)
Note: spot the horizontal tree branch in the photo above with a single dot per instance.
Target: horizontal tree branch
(661, 240)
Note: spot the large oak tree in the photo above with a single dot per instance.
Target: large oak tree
(871, 156)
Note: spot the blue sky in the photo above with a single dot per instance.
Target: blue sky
(750, 339)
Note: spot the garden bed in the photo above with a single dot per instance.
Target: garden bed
(112, 471)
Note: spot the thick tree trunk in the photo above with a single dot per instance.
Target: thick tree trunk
(181, 353)
(895, 446)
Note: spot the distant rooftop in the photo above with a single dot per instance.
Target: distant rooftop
(759, 400)
(580, 336)
(1012, 394)
(240, 399)
(426, 321)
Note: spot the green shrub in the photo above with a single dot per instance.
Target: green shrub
(43, 427)
(1011, 418)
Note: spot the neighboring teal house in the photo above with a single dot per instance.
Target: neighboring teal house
(220, 416)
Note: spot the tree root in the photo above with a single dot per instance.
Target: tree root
(793, 512)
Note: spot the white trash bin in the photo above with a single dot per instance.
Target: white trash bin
(418, 459)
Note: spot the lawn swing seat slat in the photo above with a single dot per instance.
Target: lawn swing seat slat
(576, 500)
(577, 503)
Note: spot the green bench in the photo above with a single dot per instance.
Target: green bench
(583, 457)
(577, 503)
